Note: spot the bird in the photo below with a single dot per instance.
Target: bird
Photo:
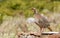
(41, 20)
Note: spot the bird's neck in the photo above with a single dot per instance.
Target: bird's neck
(35, 11)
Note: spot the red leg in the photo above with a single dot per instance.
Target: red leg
(41, 30)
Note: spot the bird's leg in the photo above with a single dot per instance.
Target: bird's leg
(41, 30)
(35, 33)
(49, 28)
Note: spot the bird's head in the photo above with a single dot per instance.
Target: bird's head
(34, 10)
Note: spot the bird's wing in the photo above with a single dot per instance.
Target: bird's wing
(43, 21)
(44, 18)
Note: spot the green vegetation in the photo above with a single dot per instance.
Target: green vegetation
(10, 8)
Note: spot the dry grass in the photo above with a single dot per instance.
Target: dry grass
(11, 25)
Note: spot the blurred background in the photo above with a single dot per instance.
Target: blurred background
(10, 20)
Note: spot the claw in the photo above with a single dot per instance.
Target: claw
(35, 34)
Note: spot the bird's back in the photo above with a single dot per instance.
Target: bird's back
(41, 20)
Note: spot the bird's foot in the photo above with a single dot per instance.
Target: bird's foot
(35, 34)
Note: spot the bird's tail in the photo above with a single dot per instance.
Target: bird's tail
(50, 28)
